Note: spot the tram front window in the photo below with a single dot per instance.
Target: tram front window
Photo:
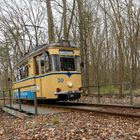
(67, 63)
(64, 63)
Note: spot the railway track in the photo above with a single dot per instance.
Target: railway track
(128, 111)
(119, 110)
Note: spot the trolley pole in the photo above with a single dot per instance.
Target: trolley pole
(35, 103)
(19, 99)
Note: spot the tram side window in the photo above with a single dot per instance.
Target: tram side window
(47, 62)
(37, 59)
(26, 71)
(40, 64)
(22, 72)
(17, 75)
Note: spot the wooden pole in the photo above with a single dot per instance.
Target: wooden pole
(131, 94)
(19, 99)
(35, 103)
(3, 93)
(98, 94)
(10, 98)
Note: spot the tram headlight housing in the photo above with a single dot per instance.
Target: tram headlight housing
(58, 89)
(70, 84)
(80, 88)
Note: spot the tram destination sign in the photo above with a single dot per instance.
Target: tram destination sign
(66, 52)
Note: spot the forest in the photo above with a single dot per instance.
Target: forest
(106, 31)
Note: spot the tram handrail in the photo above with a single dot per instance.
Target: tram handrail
(11, 99)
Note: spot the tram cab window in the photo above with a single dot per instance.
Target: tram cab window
(67, 63)
(55, 62)
(42, 63)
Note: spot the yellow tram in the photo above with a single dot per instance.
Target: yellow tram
(52, 71)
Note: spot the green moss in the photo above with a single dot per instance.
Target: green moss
(55, 120)
(109, 89)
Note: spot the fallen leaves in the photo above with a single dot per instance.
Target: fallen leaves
(69, 126)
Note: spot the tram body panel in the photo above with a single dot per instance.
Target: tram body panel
(24, 83)
(39, 87)
(52, 81)
(31, 67)
(25, 86)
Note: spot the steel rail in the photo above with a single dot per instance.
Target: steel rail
(101, 108)
(102, 105)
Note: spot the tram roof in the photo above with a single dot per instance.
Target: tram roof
(43, 47)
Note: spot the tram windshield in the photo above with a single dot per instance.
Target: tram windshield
(65, 63)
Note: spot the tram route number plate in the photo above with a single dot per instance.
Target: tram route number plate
(60, 80)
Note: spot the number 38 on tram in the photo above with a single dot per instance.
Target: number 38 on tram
(52, 71)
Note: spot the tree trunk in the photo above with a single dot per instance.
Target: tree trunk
(50, 21)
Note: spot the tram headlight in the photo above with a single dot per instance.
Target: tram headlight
(70, 84)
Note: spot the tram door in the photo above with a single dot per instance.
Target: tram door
(39, 71)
